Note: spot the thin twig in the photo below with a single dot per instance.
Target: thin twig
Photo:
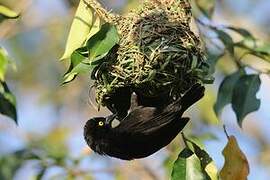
(225, 131)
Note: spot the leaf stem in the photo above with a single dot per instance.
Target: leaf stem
(225, 131)
(185, 139)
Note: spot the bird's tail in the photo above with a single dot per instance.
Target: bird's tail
(194, 94)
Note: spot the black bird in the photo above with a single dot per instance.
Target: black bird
(143, 131)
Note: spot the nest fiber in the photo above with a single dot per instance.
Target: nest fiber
(158, 53)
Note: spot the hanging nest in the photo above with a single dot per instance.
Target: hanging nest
(157, 54)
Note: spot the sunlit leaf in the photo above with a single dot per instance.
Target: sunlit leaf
(206, 7)
(187, 167)
(103, 41)
(244, 99)
(225, 91)
(236, 164)
(95, 27)
(207, 163)
(80, 29)
(6, 13)
(7, 102)
(3, 63)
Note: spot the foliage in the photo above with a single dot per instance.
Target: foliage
(194, 163)
(84, 25)
(6, 13)
(238, 88)
(91, 41)
(233, 85)
(7, 99)
(157, 53)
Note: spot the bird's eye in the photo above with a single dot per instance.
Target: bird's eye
(100, 123)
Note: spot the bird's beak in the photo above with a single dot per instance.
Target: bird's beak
(110, 118)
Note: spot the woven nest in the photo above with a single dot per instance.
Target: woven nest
(157, 53)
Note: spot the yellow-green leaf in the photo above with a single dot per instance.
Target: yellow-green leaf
(3, 63)
(187, 167)
(80, 28)
(207, 163)
(95, 28)
(6, 13)
(236, 164)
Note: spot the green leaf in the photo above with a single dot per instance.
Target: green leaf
(243, 32)
(207, 163)
(3, 63)
(187, 167)
(10, 163)
(82, 27)
(225, 91)
(6, 13)
(255, 47)
(206, 7)
(212, 60)
(244, 99)
(226, 40)
(7, 102)
(101, 43)
(78, 65)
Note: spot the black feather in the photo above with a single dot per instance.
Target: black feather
(144, 131)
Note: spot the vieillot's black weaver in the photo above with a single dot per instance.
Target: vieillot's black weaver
(143, 131)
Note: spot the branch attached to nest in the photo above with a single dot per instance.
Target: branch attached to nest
(102, 12)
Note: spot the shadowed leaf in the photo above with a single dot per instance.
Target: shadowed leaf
(226, 40)
(256, 48)
(7, 102)
(244, 99)
(243, 32)
(225, 91)
(101, 43)
(78, 65)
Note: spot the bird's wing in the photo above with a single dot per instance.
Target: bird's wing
(146, 120)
